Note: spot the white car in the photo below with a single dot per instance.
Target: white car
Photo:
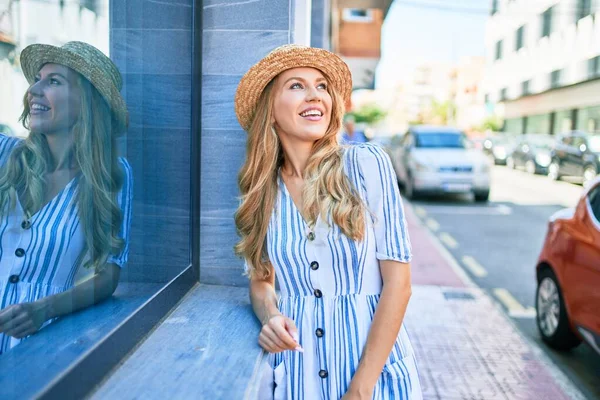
(438, 159)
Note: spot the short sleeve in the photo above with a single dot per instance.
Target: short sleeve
(7, 144)
(383, 199)
(124, 198)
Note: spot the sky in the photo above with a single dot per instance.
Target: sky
(418, 31)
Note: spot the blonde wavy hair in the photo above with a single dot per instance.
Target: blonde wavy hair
(101, 175)
(327, 190)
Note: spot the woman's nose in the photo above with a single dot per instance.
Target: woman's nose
(312, 94)
(36, 89)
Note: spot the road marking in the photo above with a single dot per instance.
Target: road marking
(432, 224)
(473, 266)
(515, 309)
(420, 211)
(448, 240)
(499, 209)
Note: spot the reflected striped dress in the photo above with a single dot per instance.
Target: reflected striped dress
(42, 256)
(330, 286)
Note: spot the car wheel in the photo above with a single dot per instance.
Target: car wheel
(552, 319)
(510, 163)
(482, 197)
(530, 167)
(554, 170)
(589, 173)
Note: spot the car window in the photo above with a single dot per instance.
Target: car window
(567, 140)
(594, 199)
(441, 140)
(578, 141)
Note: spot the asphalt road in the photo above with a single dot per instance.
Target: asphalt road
(498, 244)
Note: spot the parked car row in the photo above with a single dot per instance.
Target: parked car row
(572, 154)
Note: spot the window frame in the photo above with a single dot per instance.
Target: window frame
(520, 38)
(498, 50)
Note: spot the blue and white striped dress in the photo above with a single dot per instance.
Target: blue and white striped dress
(330, 286)
(45, 258)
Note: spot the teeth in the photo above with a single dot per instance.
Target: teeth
(311, 112)
(39, 107)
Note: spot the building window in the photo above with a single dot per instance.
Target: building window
(584, 8)
(357, 15)
(525, 87)
(503, 94)
(555, 78)
(594, 67)
(547, 22)
(494, 6)
(486, 98)
(498, 50)
(519, 38)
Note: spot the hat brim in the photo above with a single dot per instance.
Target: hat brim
(286, 57)
(35, 56)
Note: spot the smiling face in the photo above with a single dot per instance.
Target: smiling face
(301, 104)
(54, 100)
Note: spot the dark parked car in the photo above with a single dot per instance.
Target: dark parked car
(533, 153)
(498, 147)
(576, 154)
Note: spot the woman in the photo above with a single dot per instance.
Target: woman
(328, 222)
(65, 196)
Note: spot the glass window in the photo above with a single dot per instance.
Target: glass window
(588, 119)
(538, 123)
(594, 67)
(494, 6)
(498, 50)
(584, 8)
(555, 77)
(562, 121)
(525, 87)
(513, 126)
(547, 22)
(357, 15)
(441, 140)
(136, 217)
(519, 38)
(503, 94)
(594, 199)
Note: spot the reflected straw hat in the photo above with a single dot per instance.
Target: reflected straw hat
(281, 59)
(88, 61)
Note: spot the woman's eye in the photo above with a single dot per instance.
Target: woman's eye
(323, 85)
(54, 81)
(36, 79)
(296, 86)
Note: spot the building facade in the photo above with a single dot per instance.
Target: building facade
(543, 65)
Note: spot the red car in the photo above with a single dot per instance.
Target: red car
(568, 275)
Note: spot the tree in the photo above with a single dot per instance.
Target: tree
(492, 123)
(369, 114)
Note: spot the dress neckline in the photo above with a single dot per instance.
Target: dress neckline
(58, 196)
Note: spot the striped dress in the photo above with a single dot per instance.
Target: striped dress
(42, 256)
(330, 286)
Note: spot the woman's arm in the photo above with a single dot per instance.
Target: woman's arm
(278, 332)
(24, 319)
(384, 329)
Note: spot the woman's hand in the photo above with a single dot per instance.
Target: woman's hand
(279, 333)
(20, 320)
(362, 394)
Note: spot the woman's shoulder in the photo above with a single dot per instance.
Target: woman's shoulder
(7, 144)
(365, 156)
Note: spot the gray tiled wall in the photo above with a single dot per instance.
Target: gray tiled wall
(236, 35)
(151, 42)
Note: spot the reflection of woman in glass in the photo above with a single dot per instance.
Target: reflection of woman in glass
(328, 222)
(65, 196)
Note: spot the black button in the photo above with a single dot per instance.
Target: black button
(13, 279)
(323, 374)
(319, 332)
(311, 236)
(314, 265)
(26, 224)
(318, 293)
(20, 252)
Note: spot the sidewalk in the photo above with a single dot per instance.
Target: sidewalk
(466, 347)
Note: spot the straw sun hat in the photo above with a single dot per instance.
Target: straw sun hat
(86, 60)
(281, 59)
